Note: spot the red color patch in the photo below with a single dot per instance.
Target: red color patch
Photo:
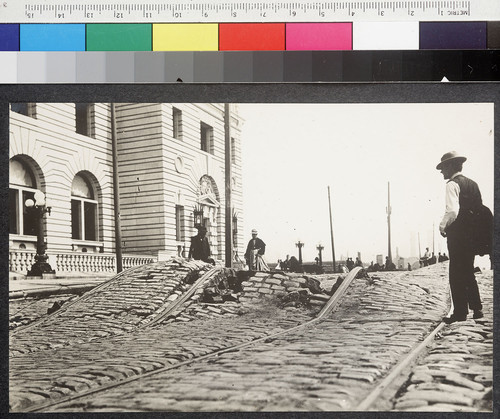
(251, 36)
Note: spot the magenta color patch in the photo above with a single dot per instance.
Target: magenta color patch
(319, 36)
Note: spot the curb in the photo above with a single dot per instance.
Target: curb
(45, 292)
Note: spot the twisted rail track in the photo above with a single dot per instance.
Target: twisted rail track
(330, 306)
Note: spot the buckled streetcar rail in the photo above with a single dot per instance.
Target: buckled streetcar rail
(330, 306)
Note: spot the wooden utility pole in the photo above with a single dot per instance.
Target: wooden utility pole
(331, 231)
(116, 193)
(433, 250)
(419, 252)
(389, 210)
(228, 181)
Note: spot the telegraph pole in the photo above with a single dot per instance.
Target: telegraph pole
(228, 180)
(433, 252)
(389, 210)
(419, 252)
(331, 231)
(116, 193)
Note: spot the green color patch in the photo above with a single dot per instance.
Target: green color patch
(119, 37)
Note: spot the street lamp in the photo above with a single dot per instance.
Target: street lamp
(300, 245)
(198, 215)
(38, 208)
(320, 248)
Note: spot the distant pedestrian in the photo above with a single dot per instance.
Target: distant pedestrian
(285, 265)
(294, 265)
(463, 200)
(254, 254)
(200, 247)
(358, 262)
(424, 260)
(389, 265)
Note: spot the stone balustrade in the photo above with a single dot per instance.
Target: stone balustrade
(22, 260)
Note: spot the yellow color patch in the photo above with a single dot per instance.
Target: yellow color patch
(186, 37)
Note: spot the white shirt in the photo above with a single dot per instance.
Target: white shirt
(452, 204)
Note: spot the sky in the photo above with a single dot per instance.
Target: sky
(292, 152)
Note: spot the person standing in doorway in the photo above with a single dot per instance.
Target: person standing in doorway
(200, 247)
(463, 200)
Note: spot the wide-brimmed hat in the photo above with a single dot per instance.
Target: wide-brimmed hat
(452, 155)
(254, 231)
(201, 228)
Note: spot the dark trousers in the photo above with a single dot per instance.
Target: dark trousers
(464, 290)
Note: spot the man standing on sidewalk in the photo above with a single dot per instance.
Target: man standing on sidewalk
(254, 254)
(463, 200)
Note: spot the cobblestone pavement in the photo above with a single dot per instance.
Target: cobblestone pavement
(457, 372)
(115, 307)
(328, 366)
(28, 310)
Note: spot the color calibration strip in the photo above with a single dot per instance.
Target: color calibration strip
(249, 66)
(292, 52)
(250, 36)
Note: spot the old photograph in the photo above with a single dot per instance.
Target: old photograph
(250, 257)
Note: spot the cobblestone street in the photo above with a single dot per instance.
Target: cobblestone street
(329, 365)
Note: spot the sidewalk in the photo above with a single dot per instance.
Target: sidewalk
(22, 286)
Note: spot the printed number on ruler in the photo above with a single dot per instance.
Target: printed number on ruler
(53, 11)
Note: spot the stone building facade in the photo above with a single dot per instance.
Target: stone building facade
(171, 165)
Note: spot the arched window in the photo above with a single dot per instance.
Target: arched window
(83, 210)
(22, 186)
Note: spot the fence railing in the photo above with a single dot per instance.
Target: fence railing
(22, 260)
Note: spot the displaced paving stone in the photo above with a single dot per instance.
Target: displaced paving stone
(279, 368)
(456, 378)
(410, 404)
(433, 396)
(447, 388)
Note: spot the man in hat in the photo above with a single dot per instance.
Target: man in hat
(255, 247)
(463, 199)
(200, 248)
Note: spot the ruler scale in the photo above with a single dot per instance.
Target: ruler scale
(185, 11)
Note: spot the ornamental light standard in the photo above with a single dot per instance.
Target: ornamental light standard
(300, 245)
(38, 208)
(320, 248)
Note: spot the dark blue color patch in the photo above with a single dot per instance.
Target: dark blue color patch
(9, 37)
(453, 35)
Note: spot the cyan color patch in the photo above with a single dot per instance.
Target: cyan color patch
(52, 37)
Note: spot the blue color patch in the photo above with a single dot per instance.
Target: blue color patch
(52, 37)
(9, 37)
(453, 35)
